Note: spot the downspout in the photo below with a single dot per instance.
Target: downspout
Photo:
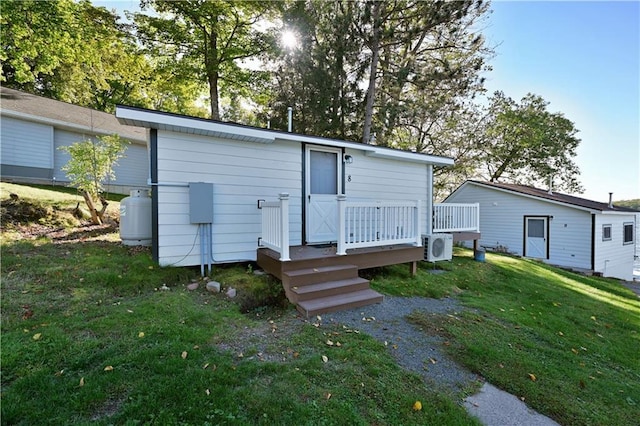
(429, 227)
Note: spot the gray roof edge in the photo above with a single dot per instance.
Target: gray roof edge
(556, 197)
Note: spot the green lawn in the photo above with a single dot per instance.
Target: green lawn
(90, 336)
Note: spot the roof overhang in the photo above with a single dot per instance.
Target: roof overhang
(65, 125)
(533, 197)
(192, 125)
(182, 124)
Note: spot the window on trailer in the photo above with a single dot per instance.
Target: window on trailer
(628, 233)
(606, 232)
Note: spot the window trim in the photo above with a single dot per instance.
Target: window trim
(604, 226)
(624, 226)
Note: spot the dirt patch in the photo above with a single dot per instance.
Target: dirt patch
(266, 341)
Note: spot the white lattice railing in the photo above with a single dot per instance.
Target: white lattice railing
(450, 217)
(275, 225)
(377, 223)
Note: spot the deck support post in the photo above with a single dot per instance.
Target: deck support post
(341, 249)
(284, 226)
(413, 268)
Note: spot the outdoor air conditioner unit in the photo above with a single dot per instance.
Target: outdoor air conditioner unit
(437, 247)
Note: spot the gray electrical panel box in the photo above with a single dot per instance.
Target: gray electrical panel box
(201, 202)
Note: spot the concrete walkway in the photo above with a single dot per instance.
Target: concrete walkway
(494, 407)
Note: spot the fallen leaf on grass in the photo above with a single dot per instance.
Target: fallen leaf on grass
(81, 382)
(108, 368)
(204, 367)
(575, 351)
(330, 343)
(141, 334)
(184, 355)
(207, 392)
(327, 395)
(324, 358)
(532, 377)
(560, 333)
(37, 336)
(582, 385)
(417, 406)
(593, 317)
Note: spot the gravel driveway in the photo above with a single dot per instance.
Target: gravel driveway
(413, 349)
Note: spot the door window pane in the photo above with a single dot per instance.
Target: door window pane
(324, 172)
(535, 228)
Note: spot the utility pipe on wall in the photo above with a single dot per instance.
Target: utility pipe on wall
(290, 114)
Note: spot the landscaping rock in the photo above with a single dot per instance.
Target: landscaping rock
(192, 286)
(231, 293)
(259, 272)
(213, 286)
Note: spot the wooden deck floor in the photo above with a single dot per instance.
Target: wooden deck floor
(314, 256)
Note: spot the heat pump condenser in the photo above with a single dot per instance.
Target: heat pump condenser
(437, 247)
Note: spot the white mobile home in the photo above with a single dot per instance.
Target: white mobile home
(249, 194)
(32, 128)
(559, 229)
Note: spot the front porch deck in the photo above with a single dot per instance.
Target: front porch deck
(317, 280)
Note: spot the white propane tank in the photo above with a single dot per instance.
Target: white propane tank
(135, 218)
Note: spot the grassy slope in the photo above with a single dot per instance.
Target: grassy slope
(89, 336)
(577, 336)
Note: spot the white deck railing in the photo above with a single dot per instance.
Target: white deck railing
(451, 217)
(377, 223)
(275, 225)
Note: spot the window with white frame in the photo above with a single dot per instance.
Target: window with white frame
(606, 232)
(627, 236)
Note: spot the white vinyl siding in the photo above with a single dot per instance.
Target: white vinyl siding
(132, 169)
(502, 224)
(371, 178)
(613, 258)
(241, 174)
(26, 144)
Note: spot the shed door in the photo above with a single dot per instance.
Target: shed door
(323, 184)
(536, 237)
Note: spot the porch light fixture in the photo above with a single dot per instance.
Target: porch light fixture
(347, 159)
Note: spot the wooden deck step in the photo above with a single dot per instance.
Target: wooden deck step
(341, 302)
(329, 288)
(307, 276)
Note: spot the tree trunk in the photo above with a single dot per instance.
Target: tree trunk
(371, 90)
(95, 218)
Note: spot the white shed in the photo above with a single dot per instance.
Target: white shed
(32, 128)
(556, 228)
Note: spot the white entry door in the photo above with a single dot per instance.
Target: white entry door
(323, 184)
(536, 237)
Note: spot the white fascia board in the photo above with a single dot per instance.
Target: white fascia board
(411, 156)
(65, 125)
(533, 197)
(372, 150)
(153, 120)
(615, 213)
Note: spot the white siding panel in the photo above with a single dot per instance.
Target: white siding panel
(241, 173)
(63, 138)
(131, 170)
(26, 144)
(613, 258)
(502, 224)
(384, 179)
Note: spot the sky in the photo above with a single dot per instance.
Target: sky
(583, 57)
